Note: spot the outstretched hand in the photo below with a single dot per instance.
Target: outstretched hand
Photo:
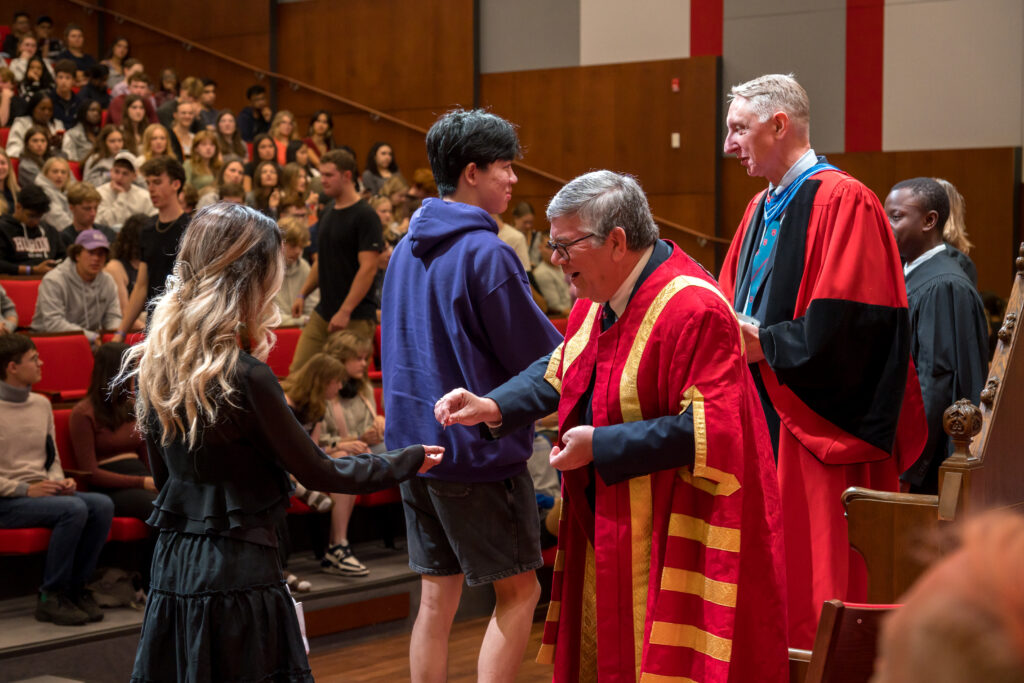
(461, 407)
(432, 456)
(578, 451)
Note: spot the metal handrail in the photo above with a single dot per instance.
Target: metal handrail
(188, 44)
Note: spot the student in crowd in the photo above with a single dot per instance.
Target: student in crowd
(207, 112)
(231, 172)
(202, 167)
(168, 87)
(138, 84)
(295, 184)
(9, 100)
(255, 118)
(181, 129)
(263, 149)
(27, 245)
(21, 26)
(551, 282)
(55, 180)
(108, 145)
(134, 124)
(320, 137)
(106, 443)
(65, 100)
(40, 113)
(161, 237)
(78, 142)
(27, 50)
(34, 492)
(299, 153)
(380, 166)
(396, 189)
(156, 143)
(74, 39)
(295, 238)
(282, 131)
(229, 140)
(123, 264)
(77, 295)
(9, 187)
(115, 61)
(96, 88)
(122, 197)
(48, 44)
(514, 239)
(8, 313)
(190, 90)
(382, 205)
(266, 192)
(83, 200)
(34, 154)
(37, 80)
(226, 278)
(522, 220)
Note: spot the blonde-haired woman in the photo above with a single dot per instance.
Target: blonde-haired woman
(156, 142)
(282, 132)
(221, 440)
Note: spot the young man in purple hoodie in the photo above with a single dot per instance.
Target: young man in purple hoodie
(457, 311)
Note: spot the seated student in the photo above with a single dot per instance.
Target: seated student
(21, 26)
(181, 129)
(40, 113)
(55, 181)
(96, 89)
(295, 184)
(229, 140)
(27, 245)
(156, 144)
(207, 114)
(201, 169)
(8, 313)
(263, 149)
(123, 264)
(190, 90)
(116, 61)
(34, 155)
(35, 493)
(8, 185)
(255, 118)
(83, 201)
(105, 440)
(522, 220)
(78, 295)
(79, 141)
(65, 100)
(295, 237)
(231, 172)
(167, 87)
(282, 132)
(134, 123)
(121, 197)
(9, 100)
(380, 167)
(74, 39)
(382, 205)
(27, 51)
(48, 45)
(949, 330)
(514, 239)
(138, 84)
(551, 282)
(266, 192)
(109, 143)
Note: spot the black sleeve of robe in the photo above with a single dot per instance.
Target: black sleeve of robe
(525, 398)
(635, 449)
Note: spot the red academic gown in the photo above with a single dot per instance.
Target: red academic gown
(677, 575)
(837, 380)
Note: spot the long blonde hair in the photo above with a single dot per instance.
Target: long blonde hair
(306, 386)
(954, 232)
(346, 345)
(227, 273)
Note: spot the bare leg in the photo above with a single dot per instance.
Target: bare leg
(509, 629)
(341, 513)
(428, 647)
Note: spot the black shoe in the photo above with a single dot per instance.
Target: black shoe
(56, 607)
(83, 600)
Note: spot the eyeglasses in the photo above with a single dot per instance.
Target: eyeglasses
(563, 249)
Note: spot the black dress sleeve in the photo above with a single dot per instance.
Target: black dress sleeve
(271, 421)
(156, 460)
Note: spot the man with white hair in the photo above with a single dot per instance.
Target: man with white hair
(816, 276)
(670, 563)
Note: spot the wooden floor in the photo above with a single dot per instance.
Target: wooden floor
(387, 659)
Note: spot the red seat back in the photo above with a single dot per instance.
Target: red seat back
(67, 365)
(62, 430)
(24, 294)
(281, 355)
(4, 134)
(846, 642)
(76, 170)
(561, 324)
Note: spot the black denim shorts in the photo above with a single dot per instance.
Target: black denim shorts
(485, 530)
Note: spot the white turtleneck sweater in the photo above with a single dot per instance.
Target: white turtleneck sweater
(25, 420)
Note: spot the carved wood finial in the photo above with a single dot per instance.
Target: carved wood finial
(962, 421)
(1020, 259)
(988, 394)
(1006, 331)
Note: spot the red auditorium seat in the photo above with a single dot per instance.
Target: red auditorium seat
(23, 292)
(281, 355)
(131, 339)
(376, 346)
(561, 324)
(4, 134)
(67, 365)
(104, 117)
(76, 170)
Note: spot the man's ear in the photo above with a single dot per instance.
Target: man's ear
(618, 240)
(470, 173)
(931, 220)
(781, 123)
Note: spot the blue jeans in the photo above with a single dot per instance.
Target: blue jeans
(80, 524)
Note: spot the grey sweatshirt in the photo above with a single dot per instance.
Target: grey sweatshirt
(25, 421)
(67, 303)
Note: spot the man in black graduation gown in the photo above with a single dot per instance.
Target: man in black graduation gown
(949, 339)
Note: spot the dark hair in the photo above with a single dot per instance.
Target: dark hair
(133, 138)
(12, 348)
(932, 196)
(140, 76)
(26, 153)
(45, 81)
(33, 198)
(72, 27)
(165, 165)
(254, 90)
(261, 193)
(329, 135)
(342, 160)
(65, 66)
(209, 81)
(292, 151)
(523, 209)
(83, 110)
(98, 71)
(126, 245)
(19, 15)
(460, 138)
(37, 99)
(112, 403)
(256, 147)
(371, 159)
(43, 19)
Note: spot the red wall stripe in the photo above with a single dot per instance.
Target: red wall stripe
(705, 27)
(865, 47)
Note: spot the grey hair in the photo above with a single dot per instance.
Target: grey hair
(603, 200)
(776, 92)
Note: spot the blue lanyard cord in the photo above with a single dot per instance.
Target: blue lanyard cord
(774, 206)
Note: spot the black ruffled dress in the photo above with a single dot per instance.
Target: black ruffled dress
(218, 608)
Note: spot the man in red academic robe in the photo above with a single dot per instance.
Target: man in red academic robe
(670, 560)
(816, 276)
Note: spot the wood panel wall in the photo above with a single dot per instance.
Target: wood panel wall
(620, 117)
(987, 178)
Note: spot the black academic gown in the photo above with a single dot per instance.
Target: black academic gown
(949, 344)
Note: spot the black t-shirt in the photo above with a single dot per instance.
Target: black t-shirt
(159, 244)
(343, 234)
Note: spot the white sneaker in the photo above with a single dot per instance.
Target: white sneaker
(339, 560)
